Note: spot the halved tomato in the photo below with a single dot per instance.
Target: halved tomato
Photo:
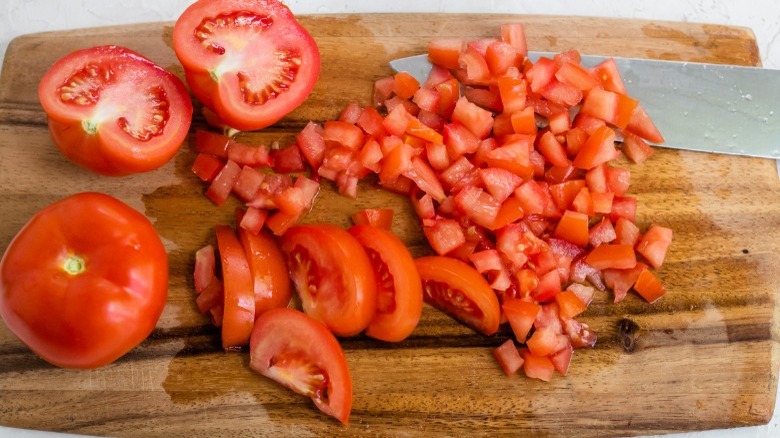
(300, 353)
(333, 275)
(114, 112)
(458, 290)
(250, 62)
(399, 289)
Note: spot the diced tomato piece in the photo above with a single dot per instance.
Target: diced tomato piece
(580, 334)
(500, 55)
(211, 143)
(474, 66)
(559, 123)
(635, 148)
(383, 90)
(602, 202)
(427, 99)
(488, 263)
(573, 227)
(245, 155)
(620, 281)
(510, 211)
(444, 235)
(248, 183)
(514, 34)
(508, 357)
(350, 113)
(312, 144)
(521, 316)
(549, 286)
(457, 171)
(370, 121)
(641, 125)
(625, 110)
(649, 286)
(223, 183)
(598, 149)
(574, 74)
(561, 93)
(575, 138)
(425, 178)
(287, 160)
(375, 217)
(477, 120)
(587, 123)
(281, 221)
(253, 219)
(438, 74)
(514, 156)
(552, 150)
(654, 244)
(449, 92)
(570, 304)
(477, 205)
(423, 205)
(601, 104)
(524, 121)
(536, 198)
(596, 177)
(537, 367)
(459, 140)
(513, 91)
(543, 342)
(445, 52)
(207, 166)
(342, 134)
(565, 192)
(584, 293)
(405, 85)
(541, 73)
(627, 232)
(437, 156)
(562, 358)
(618, 180)
(481, 45)
(422, 131)
(623, 207)
(396, 162)
(370, 155)
(583, 202)
(602, 232)
(500, 183)
(614, 256)
(408, 105)
(608, 76)
(485, 97)
(205, 267)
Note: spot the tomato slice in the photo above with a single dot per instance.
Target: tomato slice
(458, 290)
(399, 289)
(268, 267)
(250, 62)
(114, 112)
(333, 275)
(300, 353)
(239, 307)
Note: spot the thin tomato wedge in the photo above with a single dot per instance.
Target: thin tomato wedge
(333, 275)
(250, 62)
(268, 267)
(458, 290)
(399, 289)
(239, 307)
(114, 112)
(300, 353)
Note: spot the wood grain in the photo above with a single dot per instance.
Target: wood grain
(705, 356)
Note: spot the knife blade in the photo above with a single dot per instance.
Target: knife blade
(702, 107)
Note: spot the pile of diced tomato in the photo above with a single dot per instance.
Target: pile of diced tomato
(510, 167)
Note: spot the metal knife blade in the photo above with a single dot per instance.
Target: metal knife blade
(701, 107)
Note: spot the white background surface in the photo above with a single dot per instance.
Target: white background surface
(19, 17)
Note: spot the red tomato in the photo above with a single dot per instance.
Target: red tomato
(399, 289)
(114, 112)
(508, 357)
(300, 353)
(460, 291)
(654, 244)
(333, 275)
(250, 62)
(84, 281)
(376, 217)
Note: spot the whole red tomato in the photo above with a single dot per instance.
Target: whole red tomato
(84, 281)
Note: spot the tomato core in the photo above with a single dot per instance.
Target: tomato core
(74, 265)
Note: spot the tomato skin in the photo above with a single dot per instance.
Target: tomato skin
(230, 80)
(398, 309)
(268, 267)
(239, 293)
(111, 301)
(98, 127)
(481, 312)
(333, 275)
(286, 344)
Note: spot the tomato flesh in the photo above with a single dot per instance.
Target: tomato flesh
(114, 112)
(250, 62)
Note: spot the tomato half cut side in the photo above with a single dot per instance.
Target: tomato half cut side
(458, 290)
(300, 353)
(114, 112)
(399, 289)
(250, 62)
(239, 307)
(333, 276)
(84, 281)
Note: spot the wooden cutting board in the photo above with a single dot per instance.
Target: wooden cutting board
(705, 356)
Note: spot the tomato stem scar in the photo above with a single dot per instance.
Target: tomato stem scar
(74, 265)
(89, 126)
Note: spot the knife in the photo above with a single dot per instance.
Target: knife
(701, 107)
